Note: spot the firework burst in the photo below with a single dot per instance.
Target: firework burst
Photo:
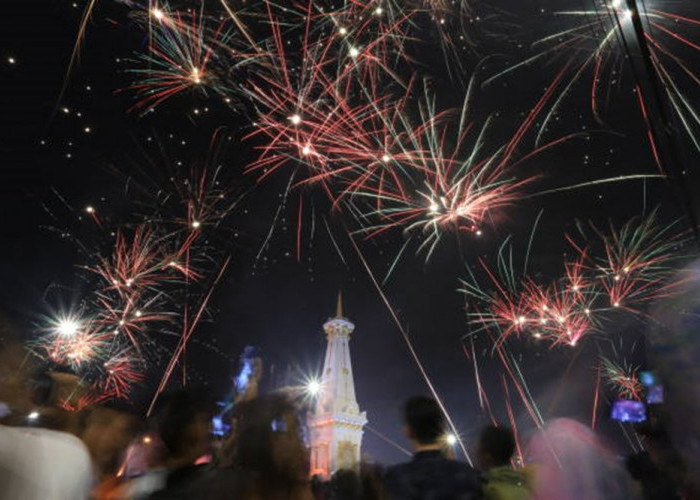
(187, 51)
(594, 48)
(634, 266)
(637, 261)
(147, 283)
(622, 379)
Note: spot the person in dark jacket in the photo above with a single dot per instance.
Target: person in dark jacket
(430, 475)
(183, 425)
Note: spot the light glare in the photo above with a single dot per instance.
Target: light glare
(67, 327)
(313, 387)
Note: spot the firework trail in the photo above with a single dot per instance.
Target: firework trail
(446, 24)
(594, 47)
(410, 347)
(596, 397)
(188, 330)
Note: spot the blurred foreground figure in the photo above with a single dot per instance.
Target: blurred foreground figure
(654, 469)
(39, 464)
(35, 464)
(184, 427)
(107, 432)
(495, 450)
(675, 354)
(269, 457)
(571, 463)
(350, 485)
(430, 475)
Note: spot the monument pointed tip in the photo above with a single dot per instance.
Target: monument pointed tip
(339, 305)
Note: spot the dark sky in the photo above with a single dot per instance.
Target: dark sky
(55, 163)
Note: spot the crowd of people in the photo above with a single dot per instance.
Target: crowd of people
(111, 453)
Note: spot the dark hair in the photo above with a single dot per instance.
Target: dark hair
(498, 442)
(177, 412)
(41, 387)
(346, 485)
(255, 422)
(424, 419)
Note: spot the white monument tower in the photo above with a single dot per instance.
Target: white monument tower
(336, 424)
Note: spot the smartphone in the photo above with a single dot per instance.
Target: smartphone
(626, 410)
(652, 386)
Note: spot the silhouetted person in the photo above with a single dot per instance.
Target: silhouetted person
(495, 450)
(107, 432)
(371, 480)
(430, 474)
(183, 426)
(269, 457)
(659, 470)
(346, 485)
(655, 484)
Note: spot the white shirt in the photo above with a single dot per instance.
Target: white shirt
(39, 464)
(141, 487)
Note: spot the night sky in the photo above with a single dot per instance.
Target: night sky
(68, 142)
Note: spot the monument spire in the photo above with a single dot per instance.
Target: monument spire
(339, 305)
(337, 422)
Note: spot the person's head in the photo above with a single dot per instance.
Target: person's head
(371, 479)
(16, 368)
(268, 439)
(346, 485)
(496, 447)
(425, 424)
(184, 425)
(107, 432)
